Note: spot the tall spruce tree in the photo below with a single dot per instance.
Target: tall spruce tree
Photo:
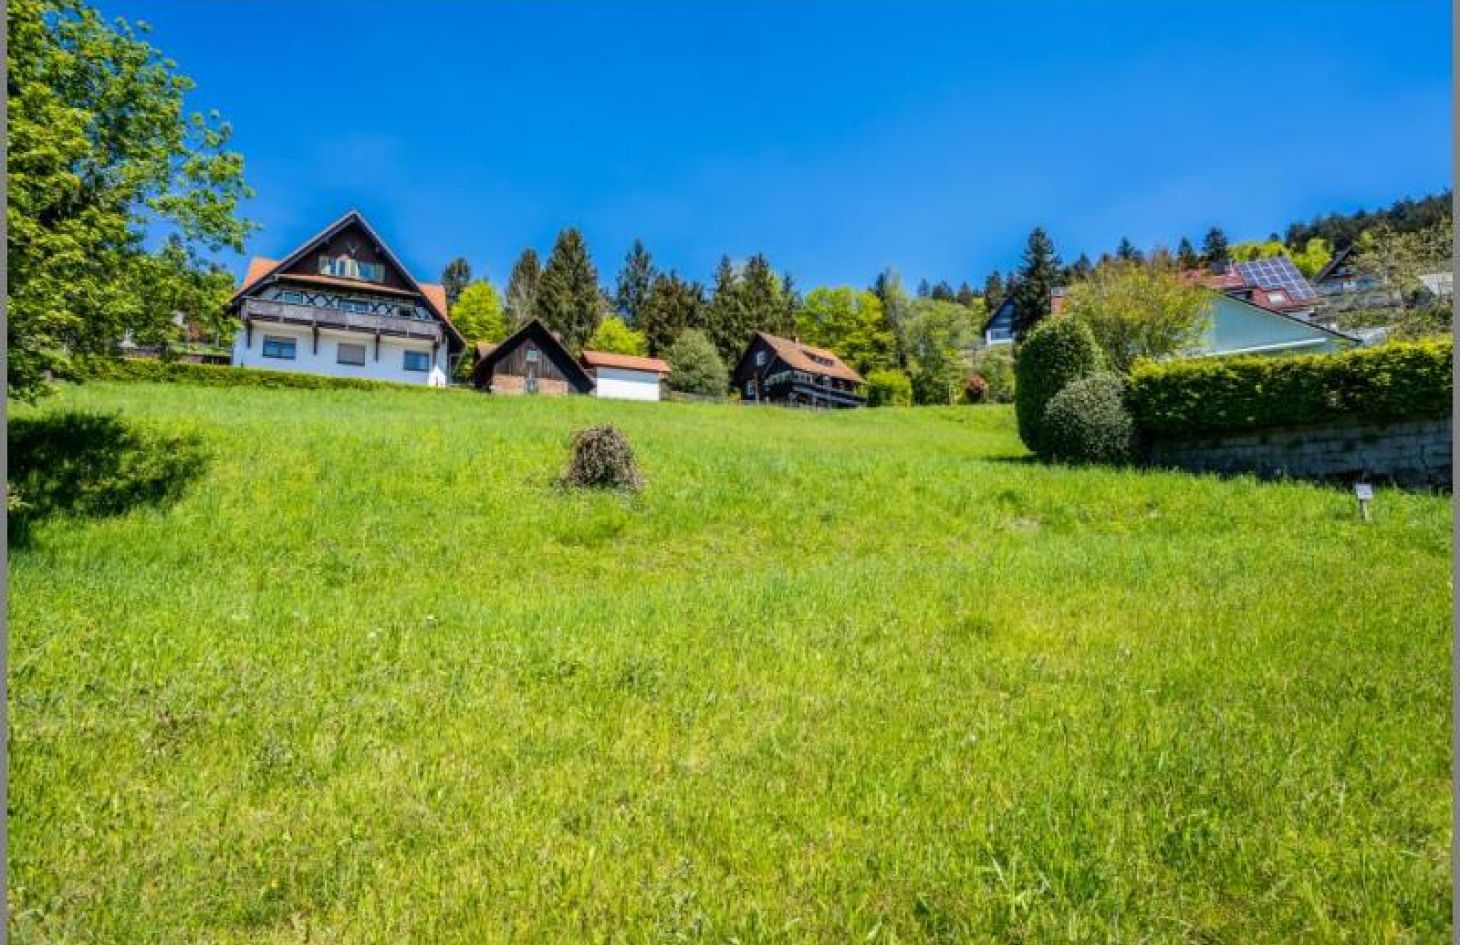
(522, 288)
(633, 283)
(724, 314)
(790, 307)
(1080, 271)
(966, 295)
(942, 292)
(671, 306)
(1037, 277)
(568, 300)
(1127, 252)
(1186, 256)
(993, 290)
(1214, 250)
(924, 288)
(455, 277)
(760, 291)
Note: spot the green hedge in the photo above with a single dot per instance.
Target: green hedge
(217, 375)
(1399, 381)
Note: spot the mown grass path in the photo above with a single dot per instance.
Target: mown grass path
(866, 676)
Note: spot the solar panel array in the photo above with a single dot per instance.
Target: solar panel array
(1277, 272)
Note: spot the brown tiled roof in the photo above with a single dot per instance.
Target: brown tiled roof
(801, 357)
(629, 362)
(485, 348)
(436, 294)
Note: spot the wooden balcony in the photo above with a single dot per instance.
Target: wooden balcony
(315, 316)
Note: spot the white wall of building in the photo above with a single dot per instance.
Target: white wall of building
(389, 367)
(623, 384)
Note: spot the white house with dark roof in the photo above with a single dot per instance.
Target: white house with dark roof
(343, 305)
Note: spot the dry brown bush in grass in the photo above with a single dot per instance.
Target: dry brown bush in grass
(602, 459)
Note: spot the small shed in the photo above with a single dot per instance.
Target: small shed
(531, 360)
(625, 376)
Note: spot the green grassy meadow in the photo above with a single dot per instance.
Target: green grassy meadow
(868, 676)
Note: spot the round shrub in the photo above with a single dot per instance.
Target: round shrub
(1089, 422)
(695, 366)
(1057, 352)
(888, 388)
(602, 459)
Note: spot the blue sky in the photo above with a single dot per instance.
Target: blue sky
(836, 137)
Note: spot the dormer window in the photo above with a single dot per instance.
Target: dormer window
(348, 267)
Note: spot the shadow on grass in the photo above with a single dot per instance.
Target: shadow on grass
(92, 465)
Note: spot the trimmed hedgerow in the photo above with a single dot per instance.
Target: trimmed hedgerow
(217, 375)
(1057, 352)
(1088, 422)
(1399, 381)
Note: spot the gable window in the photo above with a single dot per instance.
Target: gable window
(349, 354)
(417, 361)
(533, 355)
(347, 267)
(760, 359)
(276, 346)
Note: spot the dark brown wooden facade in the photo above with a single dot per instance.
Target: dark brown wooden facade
(529, 361)
(783, 371)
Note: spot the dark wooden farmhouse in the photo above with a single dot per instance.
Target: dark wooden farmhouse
(782, 371)
(531, 360)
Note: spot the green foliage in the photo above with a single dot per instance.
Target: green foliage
(996, 365)
(213, 375)
(100, 153)
(850, 322)
(91, 464)
(567, 295)
(672, 306)
(1138, 311)
(1060, 351)
(521, 300)
(612, 335)
(454, 279)
(1214, 248)
(602, 459)
(935, 336)
(1314, 255)
(635, 279)
(888, 387)
(478, 313)
(1343, 229)
(695, 366)
(1088, 422)
(1186, 257)
(1398, 381)
(1038, 275)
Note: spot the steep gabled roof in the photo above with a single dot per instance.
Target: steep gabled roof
(260, 269)
(1334, 263)
(802, 358)
(490, 354)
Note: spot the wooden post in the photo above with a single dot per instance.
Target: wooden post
(377, 344)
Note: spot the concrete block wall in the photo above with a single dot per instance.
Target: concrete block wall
(1412, 453)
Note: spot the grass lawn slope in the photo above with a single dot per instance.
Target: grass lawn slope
(864, 676)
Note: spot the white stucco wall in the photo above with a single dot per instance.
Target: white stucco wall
(389, 367)
(623, 384)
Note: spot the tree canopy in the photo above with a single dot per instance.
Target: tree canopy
(454, 278)
(521, 298)
(615, 336)
(102, 153)
(1037, 277)
(1137, 311)
(850, 322)
(634, 281)
(567, 294)
(478, 313)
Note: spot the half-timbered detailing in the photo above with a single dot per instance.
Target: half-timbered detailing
(345, 306)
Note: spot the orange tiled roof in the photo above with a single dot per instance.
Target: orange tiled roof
(628, 362)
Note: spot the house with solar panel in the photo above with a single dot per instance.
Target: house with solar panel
(342, 304)
(1274, 283)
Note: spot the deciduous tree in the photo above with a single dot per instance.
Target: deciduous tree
(937, 336)
(102, 152)
(1139, 311)
(850, 322)
(615, 336)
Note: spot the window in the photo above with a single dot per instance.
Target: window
(417, 361)
(750, 388)
(406, 311)
(355, 305)
(760, 359)
(347, 267)
(277, 347)
(293, 298)
(533, 355)
(349, 354)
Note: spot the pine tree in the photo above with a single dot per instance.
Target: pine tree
(1080, 271)
(671, 306)
(522, 288)
(966, 295)
(790, 307)
(924, 288)
(634, 280)
(455, 277)
(724, 314)
(1186, 256)
(1127, 252)
(1214, 250)
(994, 290)
(942, 292)
(1037, 276)
(567, 295)
(761, 301)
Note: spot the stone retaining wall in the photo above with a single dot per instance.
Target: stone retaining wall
(1415, 454)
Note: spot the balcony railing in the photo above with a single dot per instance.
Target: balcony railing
(317, 316)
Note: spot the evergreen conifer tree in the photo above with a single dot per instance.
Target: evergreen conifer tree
(567, 295)
(1037, 277)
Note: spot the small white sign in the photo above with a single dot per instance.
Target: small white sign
(1364, 491)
